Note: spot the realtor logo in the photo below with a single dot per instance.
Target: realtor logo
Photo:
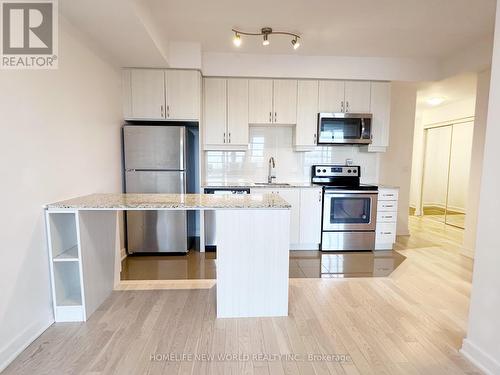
(29, 34)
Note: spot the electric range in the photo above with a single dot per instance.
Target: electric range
(349, 211)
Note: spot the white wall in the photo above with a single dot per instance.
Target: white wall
(482, 342)
(291, 166)
(395, 163)
(334, 67)
(476, 163)
(60, 138)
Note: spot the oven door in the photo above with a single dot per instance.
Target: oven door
(349, 210)
(346, 128)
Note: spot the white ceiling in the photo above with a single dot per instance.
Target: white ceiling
(453, 89)
(384, 28)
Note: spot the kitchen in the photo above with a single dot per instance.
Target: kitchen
(242, 185)
(236, 145)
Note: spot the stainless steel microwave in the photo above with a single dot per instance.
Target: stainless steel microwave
(344, 128)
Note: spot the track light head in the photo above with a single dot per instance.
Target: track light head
(237, 40)
(265, 41)
(295, 43)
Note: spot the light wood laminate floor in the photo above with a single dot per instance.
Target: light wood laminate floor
(412, 322)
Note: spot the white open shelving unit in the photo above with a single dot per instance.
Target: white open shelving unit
(66, 266)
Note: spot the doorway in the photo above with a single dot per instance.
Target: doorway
(445, 176)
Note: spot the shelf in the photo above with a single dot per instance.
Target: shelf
(67, 284)
(68, 255)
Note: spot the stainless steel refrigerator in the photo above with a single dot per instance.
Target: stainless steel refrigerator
(159, 159)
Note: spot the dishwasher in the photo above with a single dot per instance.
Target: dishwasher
(210, 236)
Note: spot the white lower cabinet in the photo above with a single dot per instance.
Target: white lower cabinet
(311, 200)
(305, 215)
(387, 215)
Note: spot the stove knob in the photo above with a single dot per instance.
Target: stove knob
(349, 171)
(318, 170)
(324, 170)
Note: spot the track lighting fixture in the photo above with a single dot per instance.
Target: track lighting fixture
(265, 32)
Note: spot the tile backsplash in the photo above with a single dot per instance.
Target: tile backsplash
(291, 166)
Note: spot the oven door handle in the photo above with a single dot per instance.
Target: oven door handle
(344, 192)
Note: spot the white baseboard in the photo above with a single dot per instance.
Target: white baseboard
(304, 246)
(479, 358)
(11, 350)
(123, 253)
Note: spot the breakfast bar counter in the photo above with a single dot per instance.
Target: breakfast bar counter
(252, 250)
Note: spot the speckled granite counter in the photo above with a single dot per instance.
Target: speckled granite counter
(171, 202)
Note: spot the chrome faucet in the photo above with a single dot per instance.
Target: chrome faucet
(271, 173)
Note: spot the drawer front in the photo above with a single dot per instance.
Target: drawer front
(385, 206)
(388, 194)
(386, 233)
(387, 217)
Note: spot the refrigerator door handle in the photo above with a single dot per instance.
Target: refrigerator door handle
(182, 149)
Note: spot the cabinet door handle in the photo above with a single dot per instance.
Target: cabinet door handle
(347, 106)
(168, 111)
(320, 195)
(275, 117)
(229, 138)
(270, 117)
(161, 110)
(314, 138)
(224, 137)
(342, 106)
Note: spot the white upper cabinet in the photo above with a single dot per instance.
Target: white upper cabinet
(381, 110)
(214, 109)
(183, 94)
(237, 111)
(284, 101)
(272, 101)
(357, 97)
(225, 106)
(144, 94)
(307, 114)
(331, 96)
(310, 216)
(156, 94)
(260, 101)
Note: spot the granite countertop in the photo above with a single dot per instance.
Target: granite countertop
(171, 201)
(247, 184)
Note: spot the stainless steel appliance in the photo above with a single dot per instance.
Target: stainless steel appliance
(159, 159)
(344, 128)
(210, 236)
(349, 208)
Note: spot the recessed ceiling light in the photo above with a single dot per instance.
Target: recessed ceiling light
(434, 101)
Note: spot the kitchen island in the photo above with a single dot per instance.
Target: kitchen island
(252, 252)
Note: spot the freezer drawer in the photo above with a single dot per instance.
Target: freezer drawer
(157, 231)
(154, 147)
(166, 182)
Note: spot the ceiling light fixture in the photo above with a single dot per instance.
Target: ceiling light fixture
(237, 40)
(435, 101)
(265, 32)
(265, 42)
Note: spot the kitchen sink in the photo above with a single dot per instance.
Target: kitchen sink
(272, 184)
